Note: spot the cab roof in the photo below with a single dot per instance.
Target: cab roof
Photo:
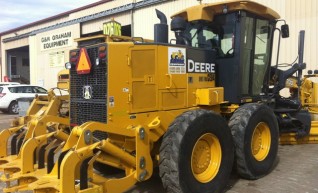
(207, 11)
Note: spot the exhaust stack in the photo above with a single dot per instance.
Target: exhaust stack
(161, 29)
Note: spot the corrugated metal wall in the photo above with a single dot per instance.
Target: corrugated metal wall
(99, 8)
(97, 25)
(300, 15)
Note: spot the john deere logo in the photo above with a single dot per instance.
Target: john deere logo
(87, 92)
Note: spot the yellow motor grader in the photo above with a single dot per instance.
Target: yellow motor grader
(134, 106)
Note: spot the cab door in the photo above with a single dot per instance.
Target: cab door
(262, 55)
(256, 42)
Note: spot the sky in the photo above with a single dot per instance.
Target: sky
(15, 13)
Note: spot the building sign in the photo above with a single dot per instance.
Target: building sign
(176, 60)
(57, 59)
(54, 41)
(112, 28)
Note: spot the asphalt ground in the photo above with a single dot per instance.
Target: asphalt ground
(295, 171)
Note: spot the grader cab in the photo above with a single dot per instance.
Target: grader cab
(188, 107)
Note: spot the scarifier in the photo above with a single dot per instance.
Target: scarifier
(46, 117)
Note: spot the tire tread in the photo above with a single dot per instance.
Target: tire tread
(169, 153)
(238, 124)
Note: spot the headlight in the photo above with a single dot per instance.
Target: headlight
(68, 65)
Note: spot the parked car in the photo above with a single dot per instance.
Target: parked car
(10, 93)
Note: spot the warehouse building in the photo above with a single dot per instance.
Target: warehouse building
(35, 52)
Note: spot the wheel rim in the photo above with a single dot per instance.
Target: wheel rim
(261, 141)
(206, 158)
(15, 108)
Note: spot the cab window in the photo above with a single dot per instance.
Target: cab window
(217, 35)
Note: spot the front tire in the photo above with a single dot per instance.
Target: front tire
(255, 134)
(196, 154)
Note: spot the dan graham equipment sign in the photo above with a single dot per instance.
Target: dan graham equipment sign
(55, 41)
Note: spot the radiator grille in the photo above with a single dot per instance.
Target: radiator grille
(94, 109)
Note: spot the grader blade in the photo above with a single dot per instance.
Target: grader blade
(309, 101)
(292, 138)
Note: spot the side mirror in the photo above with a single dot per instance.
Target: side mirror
(285, 31)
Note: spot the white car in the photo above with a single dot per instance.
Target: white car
(9, 95)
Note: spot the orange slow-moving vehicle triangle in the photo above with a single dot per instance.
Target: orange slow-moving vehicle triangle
(83, 65)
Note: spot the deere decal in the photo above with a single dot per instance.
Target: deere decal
(177, 60)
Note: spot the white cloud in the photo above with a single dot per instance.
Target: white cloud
(15, 13)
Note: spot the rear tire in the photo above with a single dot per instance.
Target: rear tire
(196, 154)
(13, 108)
(255, 134)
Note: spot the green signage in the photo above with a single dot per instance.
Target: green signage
(112, 28)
